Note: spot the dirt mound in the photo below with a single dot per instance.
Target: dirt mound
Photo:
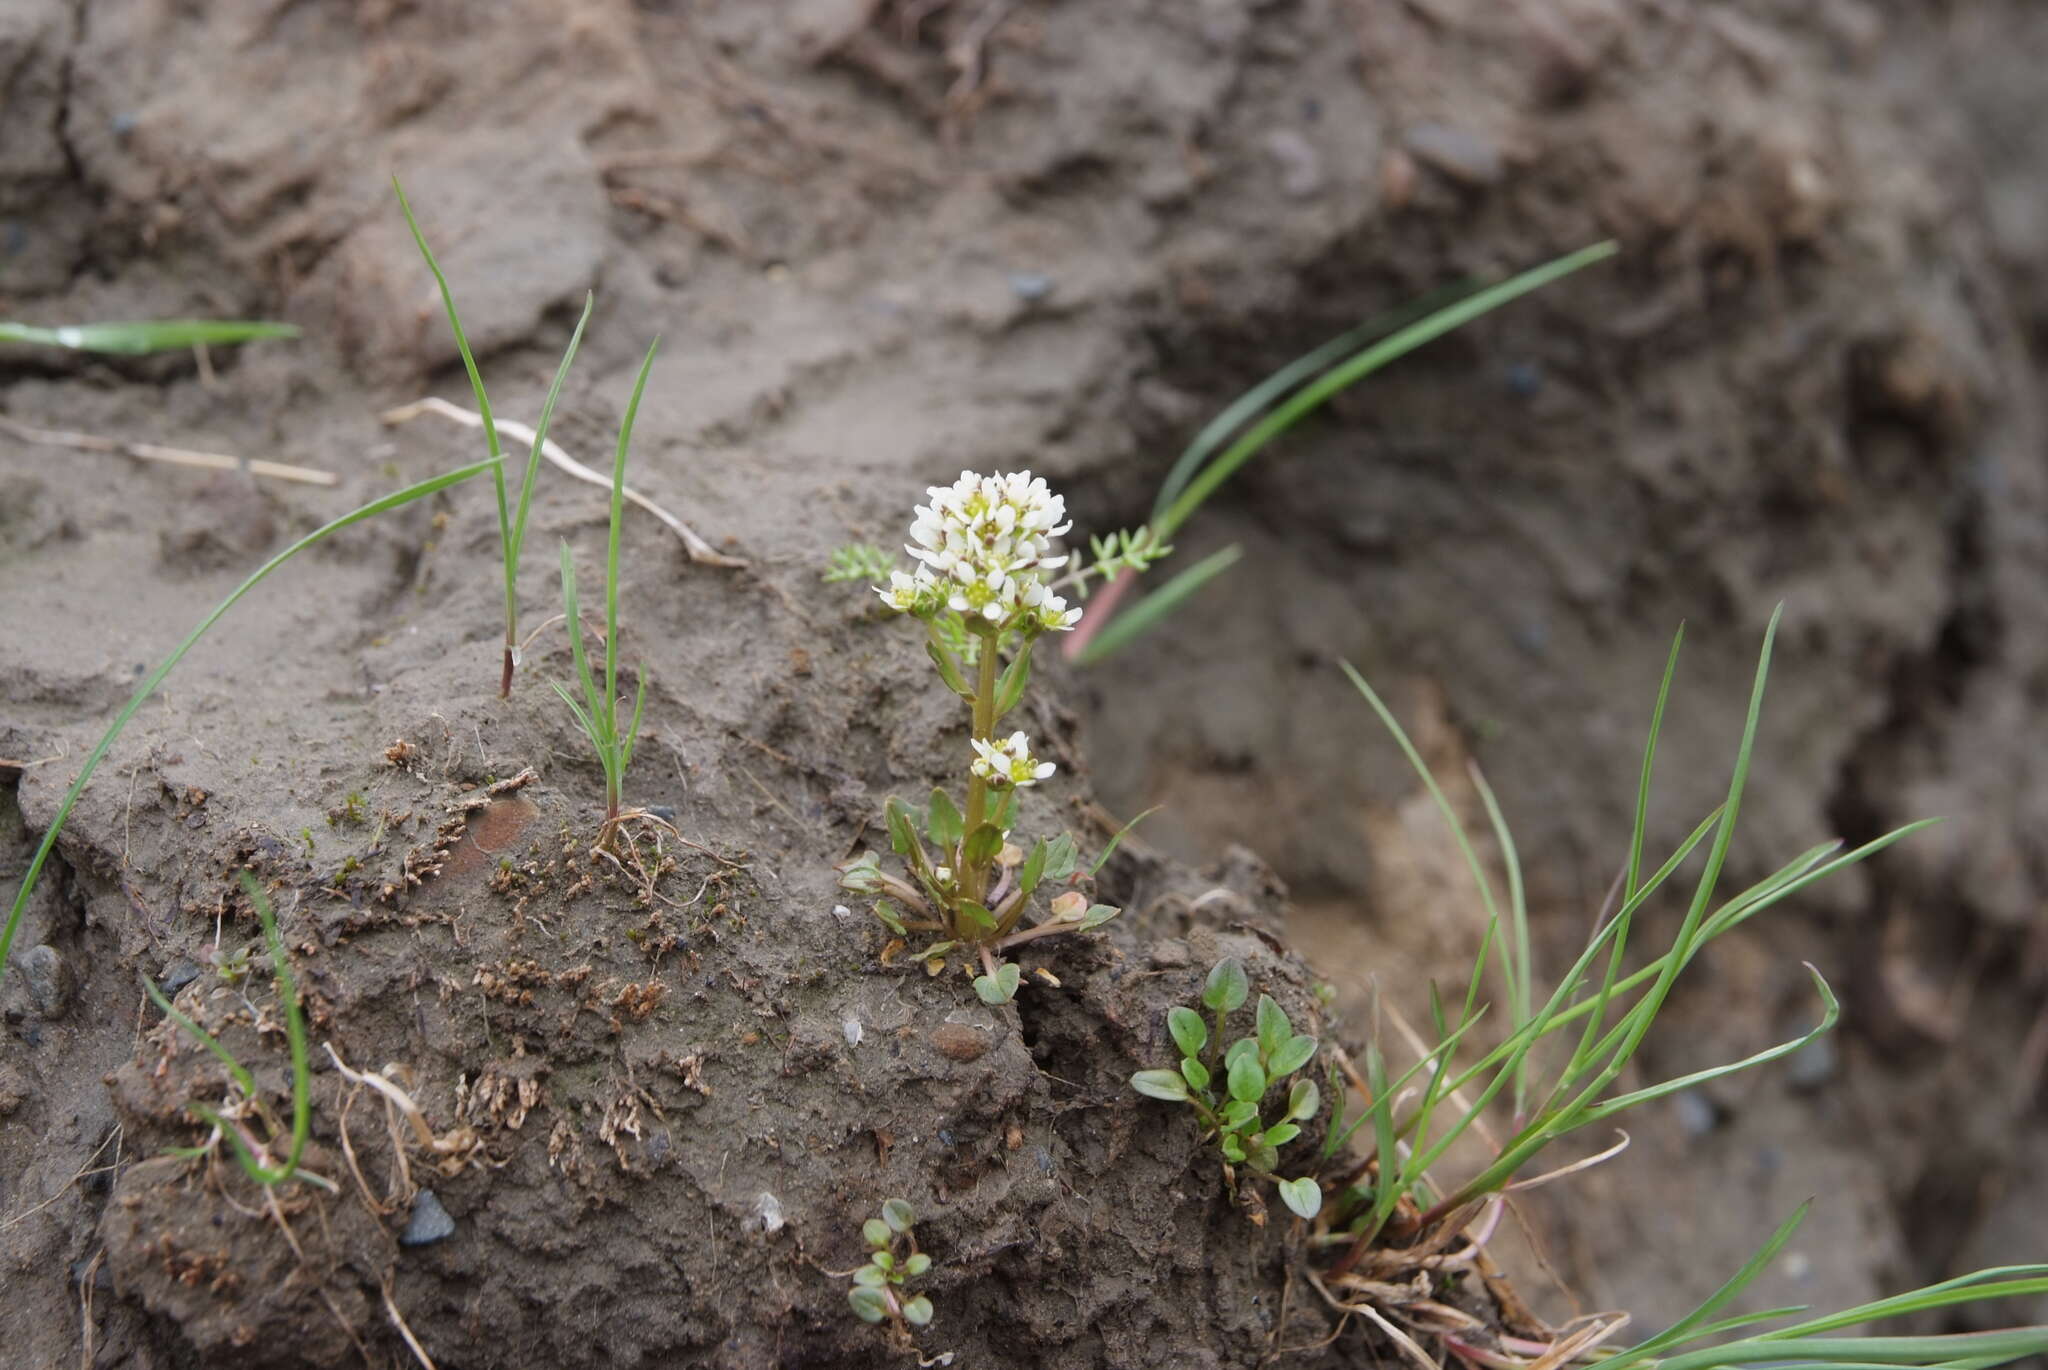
(885, 242)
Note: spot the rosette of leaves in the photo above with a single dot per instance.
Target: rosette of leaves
(878, 1294)
(1229, 1087)
(938, 852)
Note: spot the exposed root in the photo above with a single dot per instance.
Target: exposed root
(699, 550)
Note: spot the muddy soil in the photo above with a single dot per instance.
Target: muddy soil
(882, 242)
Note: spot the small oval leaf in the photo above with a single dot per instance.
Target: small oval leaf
(1194, 1072)
(899, 1215)
(918, 1311)
(1228, 987)
(869, 1304)
(1293, 1054)
(1190, 1033)
(1247, 1080)
(1160, 1084)
(1273, 1027)
(1303, 1196)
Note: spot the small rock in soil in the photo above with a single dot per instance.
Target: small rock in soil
(1171, 954)
(1458, 153)
(1030, 286)
(49, 981)
(429, 1223)
(960, 1042)
(1813, 1065)
(1301, 166)
(179, 974)
(1697, 1114)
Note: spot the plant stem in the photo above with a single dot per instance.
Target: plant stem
(973, 882)
(505, 680)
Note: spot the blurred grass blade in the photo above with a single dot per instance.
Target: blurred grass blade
(1690, 1327)
(1311, 396)
(1149, 612)
(1247, 406)
(137, 339)
(156, 677)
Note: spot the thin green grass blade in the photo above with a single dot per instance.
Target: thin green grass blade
(294, 1025)
(1982, 1348)
(483, 409)
(1310, 397)
(242, 1078)
(1693, 1326)
(572, 611)
(1642, 820)
(156, 677)
(611, 563)
(1121, 833)
(1151, 611)
(1998, 1282)
(633, 733)
(1246, 406)
(137, 339)
(540, 436)
(1515, 968)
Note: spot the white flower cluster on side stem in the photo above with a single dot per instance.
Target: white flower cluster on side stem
(984, 544)
(1009, 762)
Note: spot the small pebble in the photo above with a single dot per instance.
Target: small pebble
(1171, 954)
(1301, 166)
(1030, 286)
(49, 980)
(1524, 379)
(768, 1210)
(1697, 1114)
(179, 974)
(852, 1028)
(429, 1223)
(960, 1042)
(1458, 153)
(663, 812)
(1813, 1065)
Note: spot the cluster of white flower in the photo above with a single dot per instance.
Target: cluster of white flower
(1009, 762)
(983, 542)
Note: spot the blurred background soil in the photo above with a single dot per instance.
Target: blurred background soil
(888, 239)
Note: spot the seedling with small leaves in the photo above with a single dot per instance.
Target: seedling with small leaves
(1228, 1088)
(231, 1121)
(878, 1292)
(984, 546)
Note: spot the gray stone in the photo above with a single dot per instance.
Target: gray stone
(49, 980)
(1458, 153)
(429, 1223)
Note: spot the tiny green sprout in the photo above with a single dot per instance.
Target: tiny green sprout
(306, 839)
(984, 591)
(878, 1294)
(859, 561)
(354, 808)
(1249, 1069)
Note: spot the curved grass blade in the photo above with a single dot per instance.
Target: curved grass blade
(141, 338)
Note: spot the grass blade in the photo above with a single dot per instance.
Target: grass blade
(1149, 612)
(137, 339)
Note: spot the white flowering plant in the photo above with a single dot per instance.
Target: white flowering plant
(1227, 1088)
(984, 587)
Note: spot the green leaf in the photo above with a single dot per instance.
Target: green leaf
(898, 1215)
(1110, 850)
(949, 669)
(1293, 1054)
(918, 1311)
(1280, 1134)
(1016, 675)
(1061, 858)
(944, 824)
(1304, 1196)
(1303, 1100)
(136, 339)
(1160, 1084)
(1233, 1150)
(1151, 611)
(1096, 916)
(1033, 869)
(873, 1276)
(1273, 1027)
(902, 835)
(884, 1260)
(1238, 1113)
(935, 949)
(1190, 1033)
(1194, 1072)
(869, 1304)
(877, 1233)
(981, 846)
(891, 916)
(1262, 1155)
(973, 922)
(1228, 987)
(1001, 987)
(1244, 1048)
(1247, 1079)
(917, 1264)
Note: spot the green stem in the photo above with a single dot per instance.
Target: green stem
(973, 882)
